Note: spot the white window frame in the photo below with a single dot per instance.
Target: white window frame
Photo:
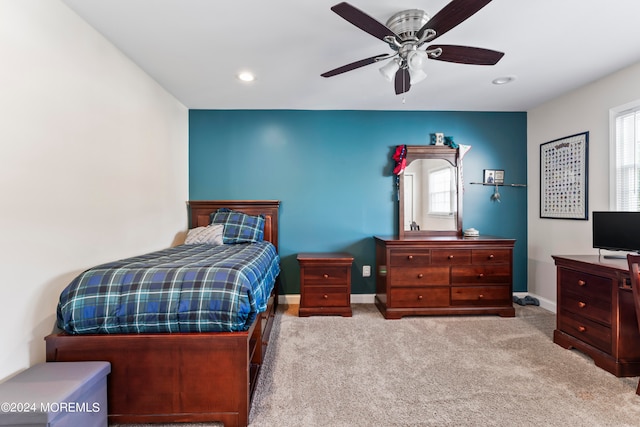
(613, 166)
(450, 211)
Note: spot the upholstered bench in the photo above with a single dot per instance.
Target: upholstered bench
(56, 394)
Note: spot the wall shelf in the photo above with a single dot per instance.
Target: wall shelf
(499, 185)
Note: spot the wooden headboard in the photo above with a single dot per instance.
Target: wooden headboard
(199, 211)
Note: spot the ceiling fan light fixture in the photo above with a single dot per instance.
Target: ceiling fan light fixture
(416, 76)
(416, 59)
(389, 70)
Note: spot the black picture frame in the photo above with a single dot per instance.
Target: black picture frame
(564, 173)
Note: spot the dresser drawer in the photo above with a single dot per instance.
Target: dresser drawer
(419, 297)
(585, 330)
(481, 274)
(419, 276)
(328, 275)
(597, 309)
(491, 256)
(408, 258)
(585, 284)
(451, 256)
(480, 295)
(329, 296)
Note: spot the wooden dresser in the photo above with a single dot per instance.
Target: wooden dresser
(596, 314)
(444, 275)
(325, 283)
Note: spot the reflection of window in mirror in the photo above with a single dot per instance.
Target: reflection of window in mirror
(441, 192)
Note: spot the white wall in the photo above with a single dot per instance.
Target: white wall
(93, 165)
(586, 109)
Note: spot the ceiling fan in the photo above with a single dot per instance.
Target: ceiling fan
(406, 31)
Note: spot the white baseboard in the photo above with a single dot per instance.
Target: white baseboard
(294, 299)
(544, 303)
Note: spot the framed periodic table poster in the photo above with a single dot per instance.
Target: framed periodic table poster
(564, 177)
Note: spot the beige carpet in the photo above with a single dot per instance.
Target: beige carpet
(433, 371)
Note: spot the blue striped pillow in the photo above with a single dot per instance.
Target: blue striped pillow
(239, 227)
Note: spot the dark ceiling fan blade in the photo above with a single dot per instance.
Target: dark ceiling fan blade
(466, 54)
(354, 65)
(451, 15)
(403, 81)
(363, 21)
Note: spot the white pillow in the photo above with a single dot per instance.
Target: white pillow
(211, 234)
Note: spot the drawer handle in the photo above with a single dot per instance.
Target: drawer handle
(409, 257)
(420, 276)
(490, 256)
(419, 297)
(325, 296)
(480, 275)
(581, 283)
(480, 296)
(326, 276)
(582, 304)
(582, 329)
(450, 257)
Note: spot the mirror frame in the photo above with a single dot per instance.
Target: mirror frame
(452, 155)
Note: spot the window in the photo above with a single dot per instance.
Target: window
(626, 158)
(441, 201)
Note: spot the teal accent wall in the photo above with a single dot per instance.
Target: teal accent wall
(332, 172)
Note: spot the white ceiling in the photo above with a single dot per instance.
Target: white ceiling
(195, 48)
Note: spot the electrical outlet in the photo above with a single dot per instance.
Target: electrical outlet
(366, 271)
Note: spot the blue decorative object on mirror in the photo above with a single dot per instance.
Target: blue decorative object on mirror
(448, 140)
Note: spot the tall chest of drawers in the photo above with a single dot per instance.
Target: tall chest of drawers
(596, 313)
(444, 275)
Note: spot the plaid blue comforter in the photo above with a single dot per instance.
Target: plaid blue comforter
(187, 288)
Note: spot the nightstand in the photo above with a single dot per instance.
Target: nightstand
(325, 283)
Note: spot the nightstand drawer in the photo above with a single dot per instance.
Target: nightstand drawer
(419, 276)
(419, 297)
(481, 274)
(327, 275)
(408, 258)
(480, 295)
(330, 296)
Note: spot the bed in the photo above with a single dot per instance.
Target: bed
(161, 376)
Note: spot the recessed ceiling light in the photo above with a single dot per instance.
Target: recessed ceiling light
(246, 76)
(503, 80)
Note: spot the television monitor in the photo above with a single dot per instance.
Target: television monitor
(616, 231)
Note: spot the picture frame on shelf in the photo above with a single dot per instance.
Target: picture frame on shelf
(493, 176)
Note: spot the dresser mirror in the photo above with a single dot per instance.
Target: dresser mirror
(430, 192)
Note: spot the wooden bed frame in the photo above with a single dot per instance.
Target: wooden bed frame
(181, 377)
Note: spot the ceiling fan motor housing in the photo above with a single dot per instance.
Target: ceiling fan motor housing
(407, 23)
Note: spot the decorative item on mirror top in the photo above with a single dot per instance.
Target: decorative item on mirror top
(438, 138)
